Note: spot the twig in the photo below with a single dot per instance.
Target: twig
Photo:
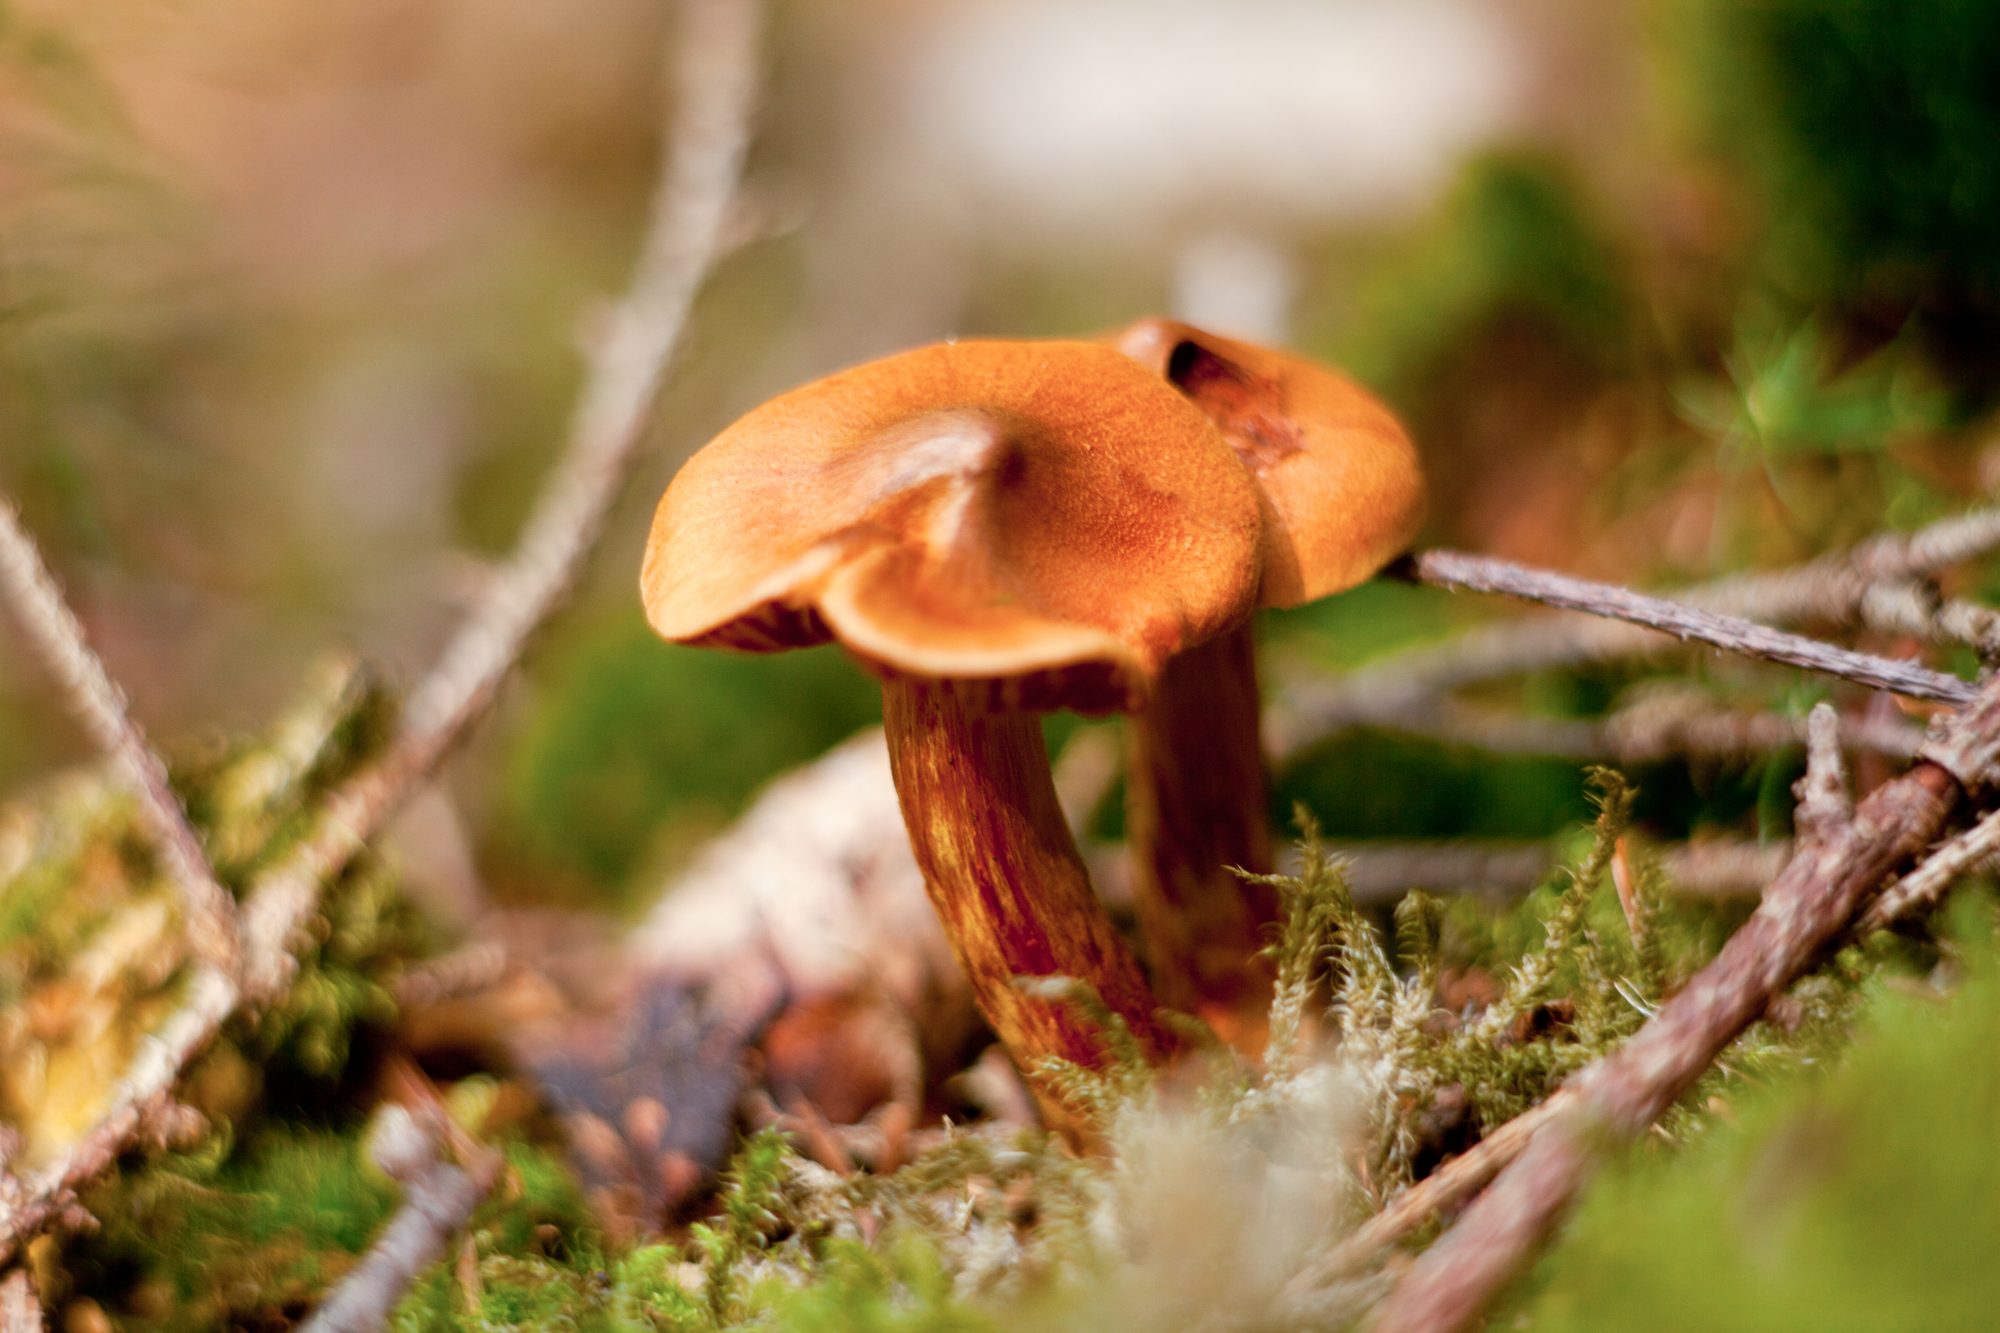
(98, 702)
(471, 967)
(1655, 726)
(701, 162)
(1809, 906)
(1450, 1185)
(1476, 573)
(1824, 801)
(1828, 590)
(718, 59)
(20, 1307)
(439, 1199)
(1913, 607)
(1926, 884)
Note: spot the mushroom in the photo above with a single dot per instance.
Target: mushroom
(1341, 495)
(994, 529)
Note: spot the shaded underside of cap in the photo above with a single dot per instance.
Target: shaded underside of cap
(1339, 478)
(1047, 519)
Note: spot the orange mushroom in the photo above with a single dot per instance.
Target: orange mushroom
(993, 529)
(1341, 493)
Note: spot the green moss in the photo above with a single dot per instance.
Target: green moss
(202, 1240)
(900, 1287)
(634, 737)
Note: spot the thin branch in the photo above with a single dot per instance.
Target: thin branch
(1825, 804)
(705, 150)
(701, 161)
(439, 1198)
(1655, 725)
(98, 702)
(20, 1307)
(1828, 590)
(1913, 607)
(1477, 573)
(1807, 909)
(1923, 887)
(439, 1204)
(1443, 1189)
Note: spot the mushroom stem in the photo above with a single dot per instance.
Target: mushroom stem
(1195, 806)
(1005, 876)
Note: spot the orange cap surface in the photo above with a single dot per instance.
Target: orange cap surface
(1036, 515)
(1337, 474)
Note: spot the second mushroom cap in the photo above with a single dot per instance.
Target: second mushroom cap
(1338, 475)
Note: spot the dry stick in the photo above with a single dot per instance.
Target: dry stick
(1825, 803)
(1830, 589)
(41, 1197)
(1450, 1185)
(439, 1199)
(1971, 850)
(1807, 909)
(439, 1204)
(20, 1307)
(705, 152)
(1477, 573)
(1913, 607)
(1642, 732)
(98, 702)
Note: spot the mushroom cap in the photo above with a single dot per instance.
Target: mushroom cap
(1337, 475)
(1044, 517)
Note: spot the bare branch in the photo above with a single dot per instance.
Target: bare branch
(1924, 886)
(1828, 590)
(1445, 1188)
(20, 1307)
(1476, 573)
(1655, 725)
(42, 1197)
(1913, 607)
(700, 163)
(439, 1199)
(1816, 899)
(98, 702)
(1824, 801)
(718, 61)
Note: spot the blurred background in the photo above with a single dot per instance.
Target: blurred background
(290, 298)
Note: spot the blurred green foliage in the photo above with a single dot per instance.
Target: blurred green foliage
(633, 736)
(1516, 240)
(1784, 392)
(1866, 130)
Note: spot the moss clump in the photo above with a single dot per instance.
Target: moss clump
(231, 1236)
(638, 746)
